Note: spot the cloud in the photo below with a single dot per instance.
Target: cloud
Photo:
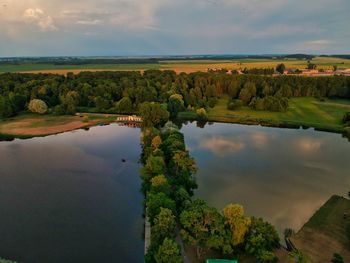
(38, 17)
(89, 22)
(309, 145)
(221, 146)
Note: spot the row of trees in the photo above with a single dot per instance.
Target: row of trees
(168, 183)
(125, 92)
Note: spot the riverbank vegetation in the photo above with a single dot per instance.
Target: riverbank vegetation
(201, 93)
(168, 182)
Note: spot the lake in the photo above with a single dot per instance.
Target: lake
(282, 175)
(70, 198)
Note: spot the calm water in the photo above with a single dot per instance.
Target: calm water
(283, 175)
(69, 198)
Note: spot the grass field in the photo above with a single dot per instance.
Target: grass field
(187, 66)
(308, 112)
(326, 232)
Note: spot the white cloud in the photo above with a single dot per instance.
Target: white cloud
(89, 22)
(38, 17)
(221, 146)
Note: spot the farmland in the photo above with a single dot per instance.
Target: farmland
(178, 66)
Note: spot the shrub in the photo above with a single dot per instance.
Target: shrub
(37, 106)
(346, 118)
(202, 114)
(234, 104)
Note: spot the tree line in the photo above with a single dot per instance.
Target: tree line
(125, 92)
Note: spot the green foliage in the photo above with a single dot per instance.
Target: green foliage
(155, 201)
(37, 106)
(6, 261)
(202, 114)
(247, 93)
(261, 237)
(204, 227)
(280, 68)
(168, 252)
(6, 109)
(299, 257)
(346, 118)
(234, 104)
(175, 105)
(269, 103)
(237, 223)
(337, 258)
(124, 106)
(153, 114)
(267, 257)
(164, 226)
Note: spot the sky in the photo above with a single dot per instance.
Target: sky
(173, 27)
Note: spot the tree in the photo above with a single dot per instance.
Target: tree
(337, 258)
(124, 105)
(346, 118)
(267, 257)
(280, 68)
(248, 91)
(262, 236)
(37, 106)
(202, 114)
(153, 114)
(159, 183)
(168, 252)
(311, 65)
(155, 201)
(237, 222)
(156, 142)
(175, 105)
(6, 109)
(234, 104)
(164, 226)
(204, 227)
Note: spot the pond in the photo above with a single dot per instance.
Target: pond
(282, 175)
(70, 198)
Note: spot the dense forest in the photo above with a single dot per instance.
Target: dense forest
(125, 92)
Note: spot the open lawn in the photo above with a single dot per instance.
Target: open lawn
(179, 66)
(30, 125)
(308, 112)
(326, 232)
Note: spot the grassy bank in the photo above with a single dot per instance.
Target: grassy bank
(32, 125)
(306, 112)
(326, 232)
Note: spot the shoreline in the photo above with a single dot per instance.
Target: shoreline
(106, 119)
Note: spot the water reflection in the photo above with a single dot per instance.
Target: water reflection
(69, 198)
(282, 175)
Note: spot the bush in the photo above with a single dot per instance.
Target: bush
(212, 102)
(346, 118)
(202, 114)
(37, 106)
(234, 104)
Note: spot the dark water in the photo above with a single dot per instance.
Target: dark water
(283, 175)
(69, 198)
